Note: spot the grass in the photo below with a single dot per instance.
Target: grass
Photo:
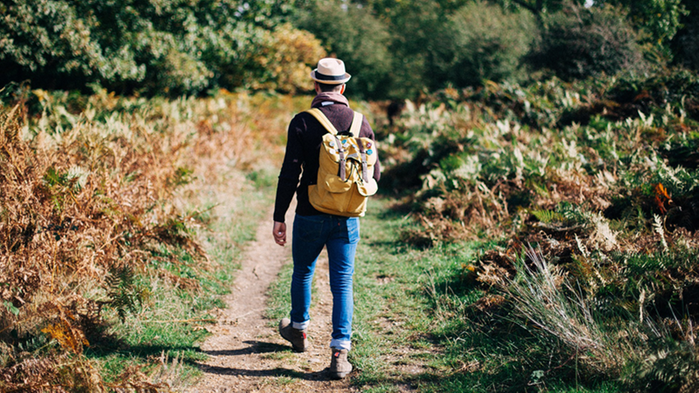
(279, 301)
(422, 323)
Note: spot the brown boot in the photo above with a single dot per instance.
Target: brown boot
(339, 365)
(296, 337)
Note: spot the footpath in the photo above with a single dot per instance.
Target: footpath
(246, 353)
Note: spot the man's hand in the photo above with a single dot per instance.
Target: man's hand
(279, 233)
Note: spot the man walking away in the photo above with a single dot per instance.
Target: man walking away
(313, 230)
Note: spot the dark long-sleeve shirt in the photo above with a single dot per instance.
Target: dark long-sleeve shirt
(305, 136)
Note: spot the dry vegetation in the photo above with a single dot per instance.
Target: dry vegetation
(601, 179)
(93, 192)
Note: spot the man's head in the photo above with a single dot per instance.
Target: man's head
(330, 75)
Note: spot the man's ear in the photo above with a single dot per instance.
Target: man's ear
(342, 91)
(316, 87)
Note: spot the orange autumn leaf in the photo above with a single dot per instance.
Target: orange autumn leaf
(661, 197)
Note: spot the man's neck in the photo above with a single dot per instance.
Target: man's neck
(329, 98)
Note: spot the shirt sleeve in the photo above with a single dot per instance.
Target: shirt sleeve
(290, 172)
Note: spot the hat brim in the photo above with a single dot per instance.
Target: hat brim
(327, 81)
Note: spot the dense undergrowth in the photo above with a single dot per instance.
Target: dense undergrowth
(588, 194)
(109, 209)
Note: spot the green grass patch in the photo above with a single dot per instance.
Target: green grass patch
(279, 300)
(417, 323)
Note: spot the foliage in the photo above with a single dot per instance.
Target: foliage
(282, 61)
(170, 47)
(484, 43)
(450, 42)
(659, 19)
(602, 177)
(539, 7)
(122, 292)
(581, 42)
(418, 52)
(90, 219)
(544, 298)
(359, 38)
(182, 47)
(685, 44)
(489, 40)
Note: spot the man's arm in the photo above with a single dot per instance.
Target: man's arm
(288, 181)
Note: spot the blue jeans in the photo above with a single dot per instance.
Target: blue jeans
(340, 236)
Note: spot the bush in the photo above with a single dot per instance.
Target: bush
(688, 45)
(355, 35)
(658, 21)
(282, 61)
(171, 46)
(581, 42)
(485, 43)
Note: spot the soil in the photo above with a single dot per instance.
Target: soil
(246, 353)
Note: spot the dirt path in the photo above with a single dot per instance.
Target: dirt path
(246, 352)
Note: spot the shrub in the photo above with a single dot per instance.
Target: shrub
(688, 45)
(361, 40)
(484, 43)
(93, 192)
(657, 20)
(171, 46)
(581, 42)
(283, 60)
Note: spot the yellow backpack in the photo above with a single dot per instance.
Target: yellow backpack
(345, 170)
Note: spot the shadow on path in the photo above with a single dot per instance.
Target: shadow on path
(275, 372)
(254, 347)
(259, 347)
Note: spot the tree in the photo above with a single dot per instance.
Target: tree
(403, 47)
(538, 7)
(354, 34)
(580, 42)
(685, 44)
(659, 20)
(147, 46)
(485, 43)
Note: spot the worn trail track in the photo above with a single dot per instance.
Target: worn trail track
(246, 353)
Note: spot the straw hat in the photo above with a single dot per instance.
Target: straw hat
(330, 71)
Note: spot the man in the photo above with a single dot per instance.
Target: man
(312, 229)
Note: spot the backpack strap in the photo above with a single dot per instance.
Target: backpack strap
(356, 126)
(323, 120)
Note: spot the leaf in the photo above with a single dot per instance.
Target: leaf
(547, 216)
(11, 307)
